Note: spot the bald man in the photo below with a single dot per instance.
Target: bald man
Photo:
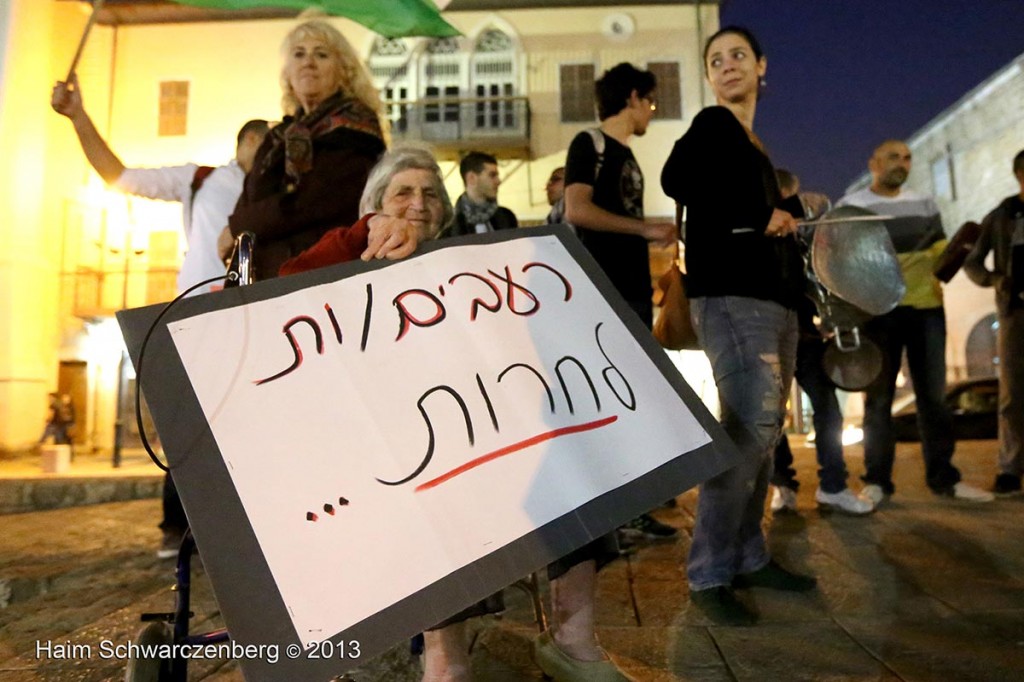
(918, 325)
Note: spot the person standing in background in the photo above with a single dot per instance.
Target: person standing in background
(477, 210)
(918, 325)
(832, 492)
(1002, 233)
(207, 196)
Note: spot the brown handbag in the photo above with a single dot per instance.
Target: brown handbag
(672, 327)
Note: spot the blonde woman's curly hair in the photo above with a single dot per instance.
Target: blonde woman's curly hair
(353, 77)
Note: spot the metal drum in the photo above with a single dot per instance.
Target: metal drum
(856, 260)
(852, 367)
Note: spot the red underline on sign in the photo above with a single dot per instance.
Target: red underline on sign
(515, 447)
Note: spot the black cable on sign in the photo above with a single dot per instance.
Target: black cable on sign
(231, 277)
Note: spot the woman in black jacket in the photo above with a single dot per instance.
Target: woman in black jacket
(744, 276)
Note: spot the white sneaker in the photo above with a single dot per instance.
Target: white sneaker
(845, 501)
(874, 493)
(964, 491)
(783, 499)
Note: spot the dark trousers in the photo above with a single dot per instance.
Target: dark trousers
(922, 332)
(828, 423)
(174, 515)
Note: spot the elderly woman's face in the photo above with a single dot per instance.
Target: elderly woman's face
(412, 194)
(312, 70)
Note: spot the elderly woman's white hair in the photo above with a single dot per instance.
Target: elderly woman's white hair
(352, 75)
(394, 162)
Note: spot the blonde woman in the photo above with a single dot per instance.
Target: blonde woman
(310, 171)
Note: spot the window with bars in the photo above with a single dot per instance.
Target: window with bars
(669, 93)
(389, 67)
(173, 108)
(449, 111)
(499, 112)
(576, 92)
(493, 81)
(943, 177)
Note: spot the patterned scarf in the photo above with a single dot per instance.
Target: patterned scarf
(474, 213)
(294, 138)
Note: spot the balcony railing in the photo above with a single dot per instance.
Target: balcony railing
(450, 125)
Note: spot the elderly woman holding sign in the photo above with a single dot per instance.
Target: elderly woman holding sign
(308, 174)
(404, 203)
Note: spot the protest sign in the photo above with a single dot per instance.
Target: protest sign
(365, 450)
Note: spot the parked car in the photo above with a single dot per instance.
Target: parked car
(972, 402)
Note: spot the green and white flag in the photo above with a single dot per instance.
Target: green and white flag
(389, 18)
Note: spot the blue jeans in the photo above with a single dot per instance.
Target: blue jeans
(922, 332)
(828, 423)
(751, 345)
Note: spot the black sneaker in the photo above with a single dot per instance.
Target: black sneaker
(722, 607)
(775, 577)
(646, 527)
(1007, 484)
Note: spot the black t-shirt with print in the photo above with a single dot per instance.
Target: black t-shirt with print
(618, 189)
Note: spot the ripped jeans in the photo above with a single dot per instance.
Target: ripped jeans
(751, 345)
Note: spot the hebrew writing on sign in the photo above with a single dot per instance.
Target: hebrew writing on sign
(366, 449)
(384, 430)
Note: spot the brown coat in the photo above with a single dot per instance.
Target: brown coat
(286, 223)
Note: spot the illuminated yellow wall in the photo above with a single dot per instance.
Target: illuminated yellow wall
(28, 248)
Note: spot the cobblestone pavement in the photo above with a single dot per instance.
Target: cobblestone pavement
(925, 589)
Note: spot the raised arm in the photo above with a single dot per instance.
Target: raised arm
(974, 264)
(66, 100)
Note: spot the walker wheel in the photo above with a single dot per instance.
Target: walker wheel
(150, 669)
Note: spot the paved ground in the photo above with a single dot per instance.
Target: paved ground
(925, 589)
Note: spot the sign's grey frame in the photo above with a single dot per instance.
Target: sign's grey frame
(246, 592)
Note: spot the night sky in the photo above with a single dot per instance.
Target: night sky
(844, 75)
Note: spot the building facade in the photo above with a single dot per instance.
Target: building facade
(165, 84)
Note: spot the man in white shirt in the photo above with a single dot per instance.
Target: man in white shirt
(207, 197)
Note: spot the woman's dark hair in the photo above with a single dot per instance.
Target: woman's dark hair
(612, 90)
(742, 32)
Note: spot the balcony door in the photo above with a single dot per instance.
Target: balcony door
(392, 76)
(494, 110)
(441, 72)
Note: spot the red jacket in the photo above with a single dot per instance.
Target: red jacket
(339, 245)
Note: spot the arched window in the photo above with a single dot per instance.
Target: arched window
(493, 83)
(982, 349)
(441, 72)
(389, 68)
